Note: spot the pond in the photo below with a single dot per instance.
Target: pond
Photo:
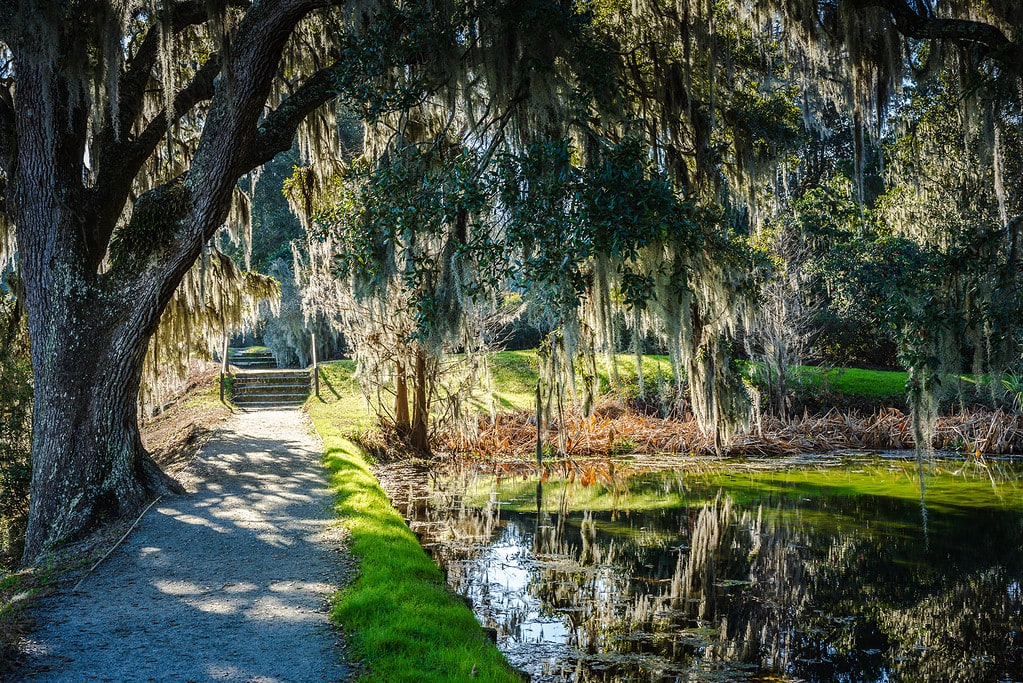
(833, 571)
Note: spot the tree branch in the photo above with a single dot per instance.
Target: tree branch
(123, 160)
(118, 158)
(229, 131)
(139, 70)
(911, 24)
(277, 130)
(200, 89)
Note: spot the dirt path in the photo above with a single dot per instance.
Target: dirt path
(227, 583)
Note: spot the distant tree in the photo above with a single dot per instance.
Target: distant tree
(954, 182)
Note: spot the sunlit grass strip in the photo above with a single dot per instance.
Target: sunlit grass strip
(403, 621)
(515, 373)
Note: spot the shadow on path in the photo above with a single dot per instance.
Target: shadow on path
(227, 583)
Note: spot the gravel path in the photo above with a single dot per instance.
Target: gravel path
(227, 583)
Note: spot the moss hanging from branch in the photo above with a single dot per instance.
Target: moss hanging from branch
(599, 132)
(214, 301)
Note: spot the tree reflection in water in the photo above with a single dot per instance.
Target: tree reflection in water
(737, 578)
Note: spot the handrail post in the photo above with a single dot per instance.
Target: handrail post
(223, 367)
(316, 369)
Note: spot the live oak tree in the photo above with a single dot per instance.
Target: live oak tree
(124, 128)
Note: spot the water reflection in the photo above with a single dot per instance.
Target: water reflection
(820, 575)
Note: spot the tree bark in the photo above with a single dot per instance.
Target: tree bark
(88, 458)
(402, 422)
(88, 332)
(419, 438)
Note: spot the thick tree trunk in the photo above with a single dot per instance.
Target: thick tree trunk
(92, 305)
(88, 333)
(88, 459)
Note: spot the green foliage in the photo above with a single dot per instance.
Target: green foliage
(415, 222)
(562, 215)
(394, 58)
(938, 270)
(585, 155)
(274, 226)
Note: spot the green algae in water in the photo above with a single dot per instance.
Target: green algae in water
(811, 573)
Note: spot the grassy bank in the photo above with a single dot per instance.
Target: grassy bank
(403, 621)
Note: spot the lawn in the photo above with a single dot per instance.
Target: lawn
(515, 373)
(878, 384)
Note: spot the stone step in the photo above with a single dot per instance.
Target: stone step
(243, 398)
(275, 378)
(270, 387)
(272, 374)
(255, 364)
(269, 405)
(251, 359)
(273, 391)
(268, 399)
(286, 387)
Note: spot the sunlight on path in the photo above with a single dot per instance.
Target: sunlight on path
(228, 583)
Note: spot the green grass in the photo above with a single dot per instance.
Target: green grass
(515, 374)
(404, 622)
(876, 384)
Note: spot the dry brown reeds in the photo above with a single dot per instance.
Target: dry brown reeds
(614, 429)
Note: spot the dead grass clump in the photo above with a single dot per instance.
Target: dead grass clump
(614, 429)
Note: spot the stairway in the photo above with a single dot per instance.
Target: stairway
(245, 359)
(259, 383)
(255, 389)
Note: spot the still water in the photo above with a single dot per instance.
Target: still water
(825, 572)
